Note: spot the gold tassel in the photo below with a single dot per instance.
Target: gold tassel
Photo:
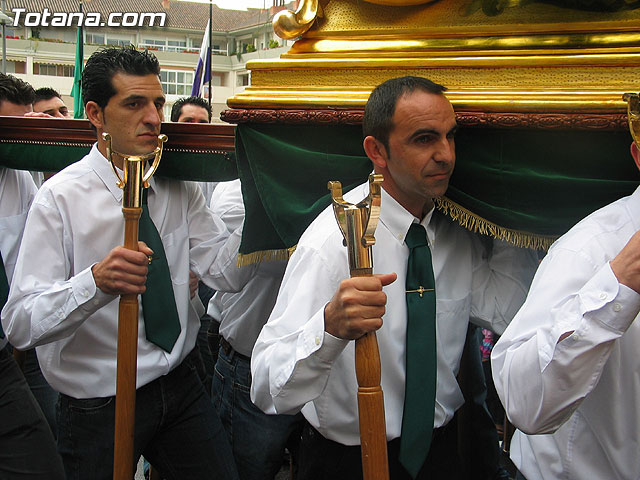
(477, 224)
(245, 259)
(458, 213)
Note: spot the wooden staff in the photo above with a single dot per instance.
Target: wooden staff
(358, 224)
(633, 115)
(134, 181)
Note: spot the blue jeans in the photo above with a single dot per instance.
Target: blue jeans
(258, 440)
(27, 448)
(46, 396)
(176, 429)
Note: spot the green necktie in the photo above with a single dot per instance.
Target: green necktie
(4, 289)
(161, 321)
(420, 386)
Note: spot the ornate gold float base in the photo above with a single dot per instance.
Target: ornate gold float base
(528, 57)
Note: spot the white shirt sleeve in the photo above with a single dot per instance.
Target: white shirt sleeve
(292, 358)
(540, 379)
(213, 250)
(501, 281)
(41, 307)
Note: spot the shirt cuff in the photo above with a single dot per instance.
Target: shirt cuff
(617, 304)
(332, 347)
(324, 346)
(86, 293)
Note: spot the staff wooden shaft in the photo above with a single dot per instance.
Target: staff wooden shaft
(127, 363)
(373, 438)
(133, 181)
(357, 223)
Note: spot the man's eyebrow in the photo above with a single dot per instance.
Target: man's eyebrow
(424, 131)
(132, 98)
(431, 131)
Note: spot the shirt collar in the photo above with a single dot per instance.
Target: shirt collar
(398, 220)
(102, 167)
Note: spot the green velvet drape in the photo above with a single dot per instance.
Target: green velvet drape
(179, 165)
(538, 182)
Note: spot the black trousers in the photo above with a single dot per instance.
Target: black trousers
(27, 447)
(323, 459)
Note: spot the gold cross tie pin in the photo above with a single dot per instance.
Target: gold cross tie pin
(420, 290)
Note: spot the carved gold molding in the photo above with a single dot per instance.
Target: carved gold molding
(398, 3)
(529, 57)
(539, 121)
(289, 25)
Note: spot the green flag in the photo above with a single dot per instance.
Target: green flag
(76, 92)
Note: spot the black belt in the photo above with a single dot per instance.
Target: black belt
(230, 352)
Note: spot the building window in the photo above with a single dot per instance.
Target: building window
(118, 42)
(153, 44)
(176, 45)
(218, 79)
(53, 70)
(20, 67)
(176, 82)
(95, 38)
(243, 80)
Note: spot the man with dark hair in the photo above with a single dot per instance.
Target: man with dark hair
(191, 110)
(50, 102)
(70, 274)
(16, 96)
(304, 356)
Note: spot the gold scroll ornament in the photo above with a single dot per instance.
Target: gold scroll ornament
(132, 184)
(633, 114)
(358, 224)
(289, 25)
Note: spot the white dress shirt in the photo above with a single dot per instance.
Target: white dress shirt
(242, 315)
(17, 190)
(54, 304)
(295, 364)
(581, 393)
(207, 190)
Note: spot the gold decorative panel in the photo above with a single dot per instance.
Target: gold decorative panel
(523, 57)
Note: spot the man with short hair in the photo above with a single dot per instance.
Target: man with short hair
(195, 110)
(27, 446)
(71, 272)
(198, 110)
(567, 369)
(50, 102)
(304, 356)
(16, 96)
(191, 110)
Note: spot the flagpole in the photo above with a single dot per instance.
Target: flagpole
(210, 46)
(76, 92)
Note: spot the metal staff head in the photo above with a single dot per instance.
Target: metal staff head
(633, 113)
(133, 171)
(358, 224)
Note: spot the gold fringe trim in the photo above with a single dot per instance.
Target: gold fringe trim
(245, 259)
(458, 213)
(477, 224)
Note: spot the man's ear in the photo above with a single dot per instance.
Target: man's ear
(376, 151)
(95, 114)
